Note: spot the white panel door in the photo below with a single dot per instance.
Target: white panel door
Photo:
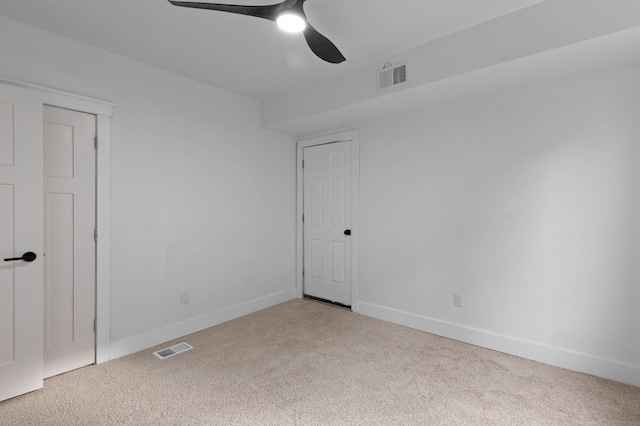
(327, 222)
(21, 229)
(69, 206)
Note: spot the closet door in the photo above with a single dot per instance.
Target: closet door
(21, 242)
(69, 241)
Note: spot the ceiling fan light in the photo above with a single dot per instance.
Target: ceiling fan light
(291, 23)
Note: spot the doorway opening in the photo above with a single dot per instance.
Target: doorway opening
(101, 112)
(327, 237)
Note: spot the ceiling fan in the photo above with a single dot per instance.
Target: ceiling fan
(288, 15)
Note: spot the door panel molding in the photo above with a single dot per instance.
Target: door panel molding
(103, 110)
(353, 137)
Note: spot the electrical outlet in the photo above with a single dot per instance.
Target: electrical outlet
(457, 300)
(184, 297)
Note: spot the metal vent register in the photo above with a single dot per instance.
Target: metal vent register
(391, 75)
(173, 350)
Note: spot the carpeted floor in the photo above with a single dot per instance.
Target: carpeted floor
(303, 362)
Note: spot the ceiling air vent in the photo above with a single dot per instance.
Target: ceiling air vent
(391, 75)
(173, 350)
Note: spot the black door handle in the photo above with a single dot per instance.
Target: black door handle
(27, 257)
(347, 232)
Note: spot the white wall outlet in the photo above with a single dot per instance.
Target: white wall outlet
(184, 297)
(457, 300)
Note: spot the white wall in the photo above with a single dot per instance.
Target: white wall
(524, 202)
(203, 200)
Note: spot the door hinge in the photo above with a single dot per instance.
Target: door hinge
(303, 217)
(95, 325)
(95, 142)
(303, 164)
(95, 235)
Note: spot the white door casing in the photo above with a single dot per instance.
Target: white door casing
(69, 262)
(21, 230)
(328, 200)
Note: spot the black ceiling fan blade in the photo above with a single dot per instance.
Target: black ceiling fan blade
(319, 44)
(267, 12)
(322, 46)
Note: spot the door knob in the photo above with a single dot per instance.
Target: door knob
(347, 232)
(27, 257)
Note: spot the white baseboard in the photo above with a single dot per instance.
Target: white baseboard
(584, 363)
(140, 342)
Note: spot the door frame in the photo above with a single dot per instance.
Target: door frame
(103, 111)
(352, 136)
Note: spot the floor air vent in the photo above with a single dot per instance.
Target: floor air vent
(392, 75)
(173, 350)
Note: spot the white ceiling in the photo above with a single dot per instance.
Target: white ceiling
(247, 55)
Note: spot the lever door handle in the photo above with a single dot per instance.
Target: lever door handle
(27, 257)
(347, 232)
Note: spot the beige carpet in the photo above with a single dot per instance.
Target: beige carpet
(303, 362)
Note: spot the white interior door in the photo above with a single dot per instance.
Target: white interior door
(21, 230)
(69, 262)
(327, 222)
